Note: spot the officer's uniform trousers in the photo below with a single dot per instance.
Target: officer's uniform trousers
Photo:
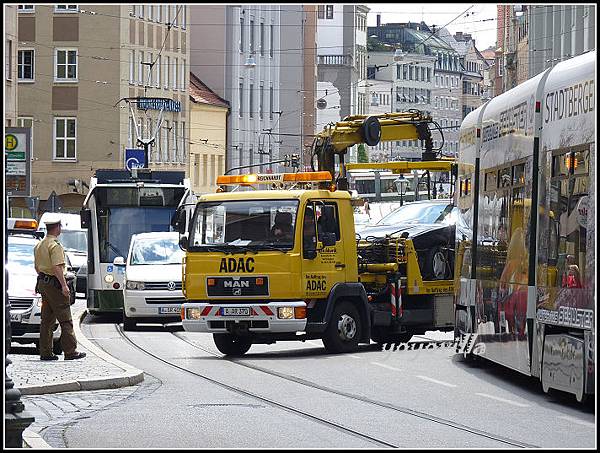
(55, 306)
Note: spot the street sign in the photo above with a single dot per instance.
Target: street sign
(134, 158)
(53, 204)
(17, 161)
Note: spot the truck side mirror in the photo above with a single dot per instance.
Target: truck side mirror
(183, 243)
(86, 218)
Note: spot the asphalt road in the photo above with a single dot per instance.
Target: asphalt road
(294, 395)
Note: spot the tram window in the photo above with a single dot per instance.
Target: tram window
(580, 162)
(569, 198)
(491, 180)
(519, 174)
(560, 165)
(504, 177)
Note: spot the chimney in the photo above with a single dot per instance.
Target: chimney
(378, 20)
(458, 36)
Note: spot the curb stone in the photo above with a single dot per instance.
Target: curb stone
(131, 375)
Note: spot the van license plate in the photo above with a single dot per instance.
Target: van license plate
(235, 311)
(169, 310)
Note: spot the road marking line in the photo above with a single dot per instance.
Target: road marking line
(354, 356)
(383, 365)
(436, 381)
(575, 420)
(514, 403)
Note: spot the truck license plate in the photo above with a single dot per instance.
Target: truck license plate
(235, 311)
(169, 310)
(16, 317)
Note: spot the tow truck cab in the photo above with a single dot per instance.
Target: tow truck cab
(242, 275)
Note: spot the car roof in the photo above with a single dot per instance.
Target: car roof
(23, 238)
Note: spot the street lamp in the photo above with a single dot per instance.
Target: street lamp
(400, 183)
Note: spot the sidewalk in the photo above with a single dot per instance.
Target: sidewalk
(96, 371)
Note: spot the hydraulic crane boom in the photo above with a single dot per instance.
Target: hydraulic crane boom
(372, 129)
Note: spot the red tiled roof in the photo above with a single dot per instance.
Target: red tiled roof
(201, 93)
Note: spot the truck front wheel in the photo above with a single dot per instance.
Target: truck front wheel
(344, 329)
(232, 345)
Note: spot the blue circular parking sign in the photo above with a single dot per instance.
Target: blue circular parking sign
(134, 158)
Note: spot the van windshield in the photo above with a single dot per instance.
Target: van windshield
(156, 251)
(74, 240)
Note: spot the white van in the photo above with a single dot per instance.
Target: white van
(74, 240)
(153, 271)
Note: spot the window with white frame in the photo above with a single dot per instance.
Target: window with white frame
(159, 9)
(328, 11)
(241, 98)
(271, 102)
(132, 10)
(165, 142)
(183, 146)
(66, 8)
(175, 79)
(175, 142)
(262, 39)
(65, 138)
(272, 40)
(26, 8)
(66, 65)
(158, 70)
(261, 103)
(141, 68)
(183, 74)
(150, 68)
(25, 65)
(167, 71)
(132, 67)
(183, 16)
(251, 101)
(142, 11)
(130, 132)
(241, 34)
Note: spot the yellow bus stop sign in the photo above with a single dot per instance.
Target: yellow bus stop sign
(11, 142)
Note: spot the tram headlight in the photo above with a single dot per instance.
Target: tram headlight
(108, 278)
(135, 285)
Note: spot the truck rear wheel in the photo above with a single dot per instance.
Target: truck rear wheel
(344, 329)
(232, 345)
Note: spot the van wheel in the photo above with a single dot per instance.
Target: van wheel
(344, 329)
(232, 345)
(128, 323)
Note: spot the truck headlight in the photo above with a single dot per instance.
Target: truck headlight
(135, 285)
(193, 313)
(285, 312)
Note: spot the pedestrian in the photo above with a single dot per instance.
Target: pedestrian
(49, 258)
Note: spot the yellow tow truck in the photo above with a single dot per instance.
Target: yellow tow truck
(284, 263)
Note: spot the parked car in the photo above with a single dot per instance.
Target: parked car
(25, 303)
(152, 291)
(431, 224)
(74, 240)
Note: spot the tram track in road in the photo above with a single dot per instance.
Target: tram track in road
(404, 410)
(272, 403)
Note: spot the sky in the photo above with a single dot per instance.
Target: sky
(473, 21)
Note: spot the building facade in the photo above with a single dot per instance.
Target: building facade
(237, 52)
(341, 63)
(208, 136)
(559, 32)
(10, 65)
(438, 91)
(75, 63)
(298, 81)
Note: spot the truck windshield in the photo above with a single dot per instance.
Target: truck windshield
(244, 224)
(75, 240)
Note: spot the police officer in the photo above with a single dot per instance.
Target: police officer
(52, 285)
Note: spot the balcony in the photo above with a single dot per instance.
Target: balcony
(335, 60)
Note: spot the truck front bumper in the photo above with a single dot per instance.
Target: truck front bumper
(273, 317)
